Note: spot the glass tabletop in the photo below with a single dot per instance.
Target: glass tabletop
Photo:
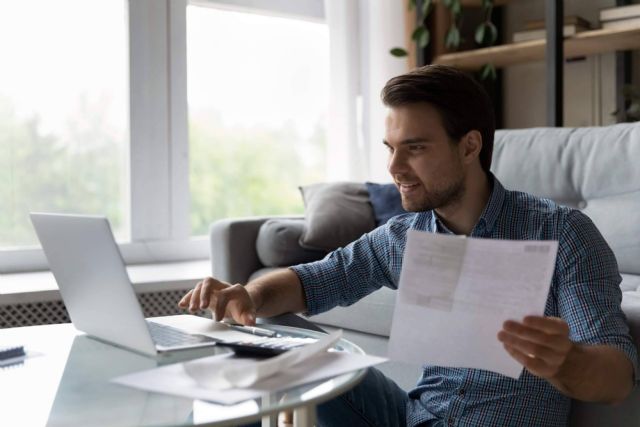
(65, 381)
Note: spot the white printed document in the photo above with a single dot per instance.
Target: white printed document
(455, 293)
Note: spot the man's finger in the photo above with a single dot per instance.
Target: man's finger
(248, 319)
(208, 286)
(241, 313)
(550, 325)
(529, 348)
(534, 365)
(533, 334)
(195, 298)
(221, 304)
(184, 302)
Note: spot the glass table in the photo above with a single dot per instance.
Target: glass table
(65, 382)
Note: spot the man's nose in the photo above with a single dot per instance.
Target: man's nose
(397, 163)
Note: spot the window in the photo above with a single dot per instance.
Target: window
(63, 113)
(94, 117)
(258, 97)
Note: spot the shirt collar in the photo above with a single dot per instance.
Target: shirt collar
(492, 210)
(488, 217)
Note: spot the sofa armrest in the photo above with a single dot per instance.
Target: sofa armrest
(233, 248)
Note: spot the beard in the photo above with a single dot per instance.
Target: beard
(435, 199)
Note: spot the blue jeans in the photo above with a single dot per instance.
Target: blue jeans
(376, 401)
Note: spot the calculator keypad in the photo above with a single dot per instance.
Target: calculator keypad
(268, 346)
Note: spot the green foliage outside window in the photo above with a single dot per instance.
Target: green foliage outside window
(79, 172)
(237, 172)
(233, 171)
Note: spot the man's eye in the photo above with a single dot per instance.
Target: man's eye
(416, 148)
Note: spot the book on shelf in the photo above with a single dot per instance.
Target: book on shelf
(622, 24)
(526, 35)
(621, 12)
(568, 20)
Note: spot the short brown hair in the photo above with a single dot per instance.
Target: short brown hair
(463, 104)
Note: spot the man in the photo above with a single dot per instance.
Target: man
(439, 133)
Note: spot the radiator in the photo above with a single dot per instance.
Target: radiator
(159, 303)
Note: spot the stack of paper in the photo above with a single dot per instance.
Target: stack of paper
(246, 372)
(228, 380)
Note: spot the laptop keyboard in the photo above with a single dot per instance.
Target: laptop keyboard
(168, 336)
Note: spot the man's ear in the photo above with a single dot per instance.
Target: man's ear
(471, 145)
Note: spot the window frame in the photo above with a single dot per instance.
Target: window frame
(159, 195)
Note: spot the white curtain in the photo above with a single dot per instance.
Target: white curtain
(361, 33)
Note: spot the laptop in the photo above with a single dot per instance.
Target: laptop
(95, 287)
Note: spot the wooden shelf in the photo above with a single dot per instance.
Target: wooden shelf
(582, 44)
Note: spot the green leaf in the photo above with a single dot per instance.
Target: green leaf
(426, 5)
(417, 32)
(486, 34)
(411, 4)
(398, 52)
(452, 39)
(456, 8)
(447, 3)
(479, 36)
(486, 4)
(423, 41)
(484, 72)
(493, 33)
(421, 36)
(488, 71)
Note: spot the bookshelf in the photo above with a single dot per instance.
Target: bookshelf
(551, 50)
(582, 44)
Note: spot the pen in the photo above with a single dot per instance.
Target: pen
(261, 332)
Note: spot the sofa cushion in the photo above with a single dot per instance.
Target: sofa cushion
(372, 314)
(630, 282)
(587, 168)
(385, 200)
(261, 272)
(631, 307)
(278, 244)
(336, 214)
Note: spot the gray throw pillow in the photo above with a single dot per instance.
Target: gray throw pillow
(278, 244)
(336, 214)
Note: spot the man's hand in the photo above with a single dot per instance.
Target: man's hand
(224, 300)
(593, 373)
(540, 344)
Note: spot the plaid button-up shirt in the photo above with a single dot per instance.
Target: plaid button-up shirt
(584, 292)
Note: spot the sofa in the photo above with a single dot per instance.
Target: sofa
(592, 169)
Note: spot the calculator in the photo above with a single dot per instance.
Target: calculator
(265, 347)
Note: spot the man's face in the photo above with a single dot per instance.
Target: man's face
(424, 163)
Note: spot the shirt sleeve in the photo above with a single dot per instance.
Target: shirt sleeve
(589, 294)
(348, 274)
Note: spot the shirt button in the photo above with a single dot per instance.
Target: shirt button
(461, 392)
(450, 421)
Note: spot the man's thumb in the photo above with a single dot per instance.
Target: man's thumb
(248, 319)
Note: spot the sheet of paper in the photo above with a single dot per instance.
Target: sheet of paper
(174, 380)
(455, 293)
(242, 372)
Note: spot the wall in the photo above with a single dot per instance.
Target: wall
(589, 83)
